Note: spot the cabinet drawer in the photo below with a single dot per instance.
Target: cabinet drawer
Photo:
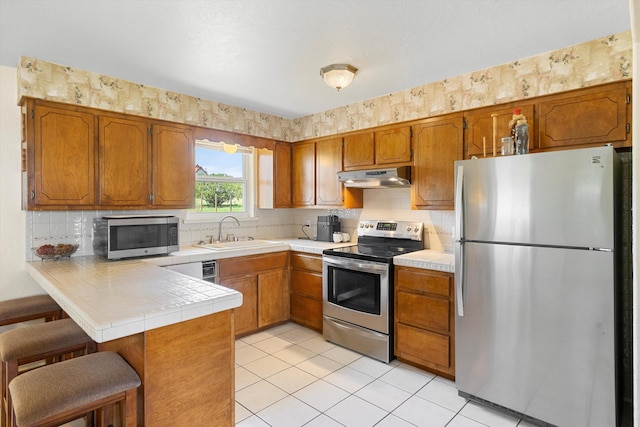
(420, 281)
(306, 262)
(307, 284)
(252, 264)
(422, 346)
(423, 312)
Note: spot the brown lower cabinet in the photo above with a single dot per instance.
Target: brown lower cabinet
(263, 281)
(306, 290)
(424, 319)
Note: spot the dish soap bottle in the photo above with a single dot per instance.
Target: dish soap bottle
(522, 136)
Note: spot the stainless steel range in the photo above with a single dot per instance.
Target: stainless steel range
(357, 286)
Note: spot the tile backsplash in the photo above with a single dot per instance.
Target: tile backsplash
(52, 227)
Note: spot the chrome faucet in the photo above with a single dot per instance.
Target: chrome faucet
(220, 225)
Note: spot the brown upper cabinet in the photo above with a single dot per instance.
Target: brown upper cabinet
(315, 165)
(328, 164)
(387, 146)
(274, 176)
(437, 145)
(59, 155)
(80, 158)
(580, 118)
(124, 162)
(303, 163)
(593, 116)
(173, 154)
(479, 131)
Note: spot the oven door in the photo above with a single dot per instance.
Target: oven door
(356, 291)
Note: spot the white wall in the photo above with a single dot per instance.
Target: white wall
(14, 282)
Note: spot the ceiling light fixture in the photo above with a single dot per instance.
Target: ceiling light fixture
(338, 76)
(229, 148)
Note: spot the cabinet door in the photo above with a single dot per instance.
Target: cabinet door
(592, 116)
(64, 158)
(125, 176)
(273, 297)
(304, 174)
(479, 132)
(173, 160)
(359, 151)
(282, 175)
(437, 145)
(393, 146)
(328, 164)
(246, 316)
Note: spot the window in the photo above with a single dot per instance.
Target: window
(224, 182)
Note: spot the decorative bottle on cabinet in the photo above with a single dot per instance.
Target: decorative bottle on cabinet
(522, 136)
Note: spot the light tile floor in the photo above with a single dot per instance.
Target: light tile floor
(289, 376)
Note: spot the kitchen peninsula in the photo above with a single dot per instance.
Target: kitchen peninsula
(177, 332)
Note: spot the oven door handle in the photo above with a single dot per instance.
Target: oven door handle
(364, 266)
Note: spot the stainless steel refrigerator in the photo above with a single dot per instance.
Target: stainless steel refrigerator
(535, 281)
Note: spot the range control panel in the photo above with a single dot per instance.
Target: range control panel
(393, 229)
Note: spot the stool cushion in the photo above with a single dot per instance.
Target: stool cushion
(41, 338)
(55, 388)
(26, 306)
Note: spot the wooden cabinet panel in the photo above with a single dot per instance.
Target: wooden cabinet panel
(251, 264)
(437, 145)
(274, 176)
(305, 261)
(265, 279)
(328, 164)
(393, 146)
(306, 289)
(306, 284)
(124, 162)
(423, 312)
(303, 155)
(173, 166)
(359, 151)
(425, 319)
(61, 170)
(423, 347)
(282, 175)
(592, 116)
(418, 281)
(246, 316)
(478, 139)
(273, 297)
(385, 147)
(306, 312)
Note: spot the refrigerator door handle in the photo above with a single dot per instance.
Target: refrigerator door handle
(458, 203)
(459, 245)
(459, 278)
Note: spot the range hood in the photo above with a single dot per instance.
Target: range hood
(377, 178)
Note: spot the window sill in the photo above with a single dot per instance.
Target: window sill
(216, 218)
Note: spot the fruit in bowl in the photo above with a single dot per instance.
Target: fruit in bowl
(61, 250)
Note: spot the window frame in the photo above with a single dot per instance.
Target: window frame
(248, 179)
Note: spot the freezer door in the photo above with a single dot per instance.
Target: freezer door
(537, 335)
(562, 198)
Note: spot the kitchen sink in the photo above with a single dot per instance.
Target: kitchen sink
(239, 244)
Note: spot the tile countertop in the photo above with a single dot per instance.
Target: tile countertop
(114, 299)
(427, 259)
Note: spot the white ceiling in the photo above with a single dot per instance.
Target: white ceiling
(266, 55)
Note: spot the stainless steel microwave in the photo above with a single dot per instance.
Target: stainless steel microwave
(116, 237)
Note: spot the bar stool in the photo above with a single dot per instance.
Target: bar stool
(65, 391)
(29, 308)
(43, 341)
